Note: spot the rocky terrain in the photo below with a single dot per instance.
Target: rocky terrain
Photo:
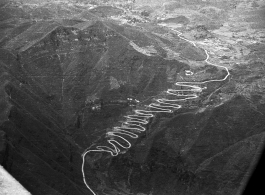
(71, 68)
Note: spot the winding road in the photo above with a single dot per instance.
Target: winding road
(162, 105)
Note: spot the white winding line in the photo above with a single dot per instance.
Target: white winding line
(146, 113)
(82, 168)
(206, 60)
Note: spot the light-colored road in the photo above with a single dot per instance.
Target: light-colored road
(162, 106)
(206, 60)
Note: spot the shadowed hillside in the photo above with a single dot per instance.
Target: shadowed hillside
(73, 70)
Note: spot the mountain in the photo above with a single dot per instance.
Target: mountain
(71, 70)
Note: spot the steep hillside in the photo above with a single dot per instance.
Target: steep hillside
(72, 70)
